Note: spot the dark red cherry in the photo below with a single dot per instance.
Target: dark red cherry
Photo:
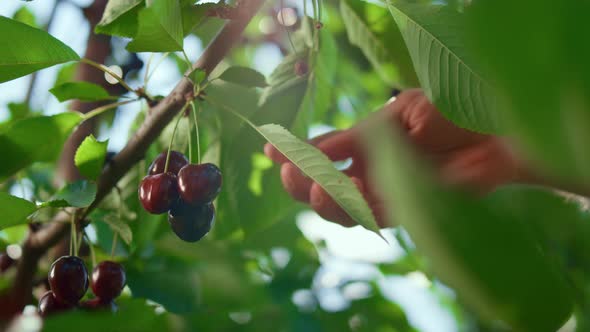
(199, 184)
(158, 192)
(68, 279)
(5, 262)
(176, 162)
(49, 304)
(191, 222)
(108, 280)
(98, 304)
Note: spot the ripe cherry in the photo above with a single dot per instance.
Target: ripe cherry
(301, 68)
(108, 280)
(191, 222)
(49, 304)
(199, 184)
(5, 262)
(176, 162)
(98, 304)
(158, 192)
(68, 279)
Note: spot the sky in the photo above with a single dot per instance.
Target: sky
(350, 252)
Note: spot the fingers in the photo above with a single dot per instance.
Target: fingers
(295, 183)
(327, 208)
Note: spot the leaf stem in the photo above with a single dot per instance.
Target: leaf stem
(173, 135)
(105, 69)
(194, 112)
(230, 110)
(149, 76)
(99, 110)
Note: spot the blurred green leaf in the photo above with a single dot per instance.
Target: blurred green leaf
(133, 316)
(120, 227)
(369, 28)
(120, 18)
(244, 76)
(34, 139)
(447, 71)
(165, 281)
(15, 210)
(83, 91)
(488, 253)
(77, 194)
(90, 157)
(26, 16)
(160, 29)
(540, 65)
(320, 169)
(24, 49)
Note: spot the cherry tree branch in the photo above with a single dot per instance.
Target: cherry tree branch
(158, 118)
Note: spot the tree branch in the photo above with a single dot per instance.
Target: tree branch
(159, 116)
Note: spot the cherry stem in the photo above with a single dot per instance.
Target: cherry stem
(190, 145)
(92, 254)
(149, 76)
(73, 237)
(286, 27)
(99, 110)
(194, 112)
(114, 246)
(105, 69)
(173, 135)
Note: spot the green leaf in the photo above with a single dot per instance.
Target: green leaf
(120, 227)
(535, 56)
(176, 289)
(160, 28)
(24, 49)
(380, 40)
(26, 16)
(134, 315)
(34, 139)
(77, 194)
(120, 18)
(244, 76)
(15, 210)
(447, 72)
(320, 169)
(83, 91)
(90, 157)
(486, 252)
(193, 14)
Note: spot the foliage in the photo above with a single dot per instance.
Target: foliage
(517, 259)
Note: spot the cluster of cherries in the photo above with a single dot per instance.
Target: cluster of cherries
(68, 280)
(186, 191)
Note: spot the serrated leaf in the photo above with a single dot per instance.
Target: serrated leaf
(244, 76)
(320, 169)
(120, 227)
(380, 40)
(76, 194)
(193, 14)
(487, 252)
(90, 157)
(24, 49)
(160, 28)
(34, 139)
(447, 72)
(84, 91)
(119, 18)
(15, 210)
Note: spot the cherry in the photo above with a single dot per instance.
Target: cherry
(98, 304)
(158, 192)
(49, 304)
(176, 162)
(5, 262)
(199, 184)
(68, 279)
(108, 280)
(301, 68)
(191, 222)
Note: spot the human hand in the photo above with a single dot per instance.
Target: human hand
(460, 157)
